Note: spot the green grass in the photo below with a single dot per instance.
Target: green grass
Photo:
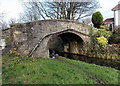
(50, 71)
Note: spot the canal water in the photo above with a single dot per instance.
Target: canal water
(98, 61)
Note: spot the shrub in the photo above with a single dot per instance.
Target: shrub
(105, 27)
(103, 32)
(8, 40)
(102, 41)
(114, 38)
(97, 19)
(93, 41)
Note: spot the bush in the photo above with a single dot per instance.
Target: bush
(103, 32)
(8, 40)
(102, 41)
(97, 19)
(114, 38)
(105, 27)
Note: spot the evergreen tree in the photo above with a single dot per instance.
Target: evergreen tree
(97, 19)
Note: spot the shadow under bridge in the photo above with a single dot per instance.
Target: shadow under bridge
(66, 44)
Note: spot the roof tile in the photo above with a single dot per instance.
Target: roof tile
(109, 20)
(116, 7)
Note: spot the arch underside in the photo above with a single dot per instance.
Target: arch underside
(66, 42)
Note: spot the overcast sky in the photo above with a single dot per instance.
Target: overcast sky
(12, 8)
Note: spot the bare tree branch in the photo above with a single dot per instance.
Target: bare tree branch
(59, 10)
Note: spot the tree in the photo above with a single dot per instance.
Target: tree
(3, 23)
(12, 21)
(97, 19)
(72, 10)
(31, 12)
(59, 10)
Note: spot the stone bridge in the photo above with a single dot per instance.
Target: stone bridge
(38, 38)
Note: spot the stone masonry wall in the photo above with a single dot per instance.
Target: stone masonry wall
(27, 35)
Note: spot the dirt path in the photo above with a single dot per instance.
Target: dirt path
(98, 81)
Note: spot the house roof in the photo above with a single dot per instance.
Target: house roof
(109, 20)
(117, 7)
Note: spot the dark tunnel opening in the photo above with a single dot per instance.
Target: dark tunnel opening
(66, 44)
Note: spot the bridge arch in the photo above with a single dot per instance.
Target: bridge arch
(34, 38)
(68, 41)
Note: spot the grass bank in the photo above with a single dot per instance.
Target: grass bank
(55, 71)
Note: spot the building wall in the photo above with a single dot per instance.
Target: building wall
(117, 17)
